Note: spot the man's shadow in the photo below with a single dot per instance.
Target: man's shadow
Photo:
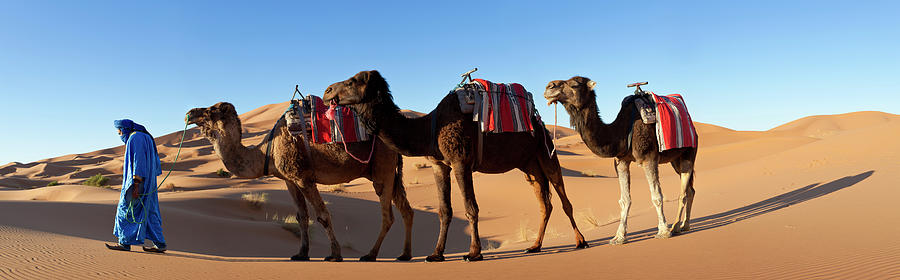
(717, 220)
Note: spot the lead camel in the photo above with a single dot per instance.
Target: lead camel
(324, 164)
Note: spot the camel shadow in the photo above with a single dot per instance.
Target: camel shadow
(713, 221)
(575, 173)
(228, 229)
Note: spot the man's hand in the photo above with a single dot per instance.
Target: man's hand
(136, 183)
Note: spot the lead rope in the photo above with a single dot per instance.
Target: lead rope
(555, 125)
(344, 141)
(131, 204)
(554, 133)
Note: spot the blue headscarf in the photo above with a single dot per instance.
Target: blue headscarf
(128, 126)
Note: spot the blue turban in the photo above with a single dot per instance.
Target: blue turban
(128, 126)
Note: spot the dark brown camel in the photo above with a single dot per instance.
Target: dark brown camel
(611, 140)
(324, 164)
(447, 137)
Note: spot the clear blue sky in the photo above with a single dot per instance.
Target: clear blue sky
(69, 68)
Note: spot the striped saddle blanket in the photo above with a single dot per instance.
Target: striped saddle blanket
(503, 107)
(345, 126)
(674, 127)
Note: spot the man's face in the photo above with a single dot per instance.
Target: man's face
(120, 132)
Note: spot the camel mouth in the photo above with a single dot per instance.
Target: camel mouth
(336, 100)
(193, 116)
(551, 97)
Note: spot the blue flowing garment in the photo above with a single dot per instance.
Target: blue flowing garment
(138, 219)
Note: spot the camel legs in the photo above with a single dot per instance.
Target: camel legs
(624, 174)
(324, 217)
(542, 190)
(302, 220)
(463, 173)
(553, 173)
(445, 211)
(651, 170)
(387, 217)
(406, 212)
(686, 170)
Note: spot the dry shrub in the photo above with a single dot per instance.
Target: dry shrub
(255, 200)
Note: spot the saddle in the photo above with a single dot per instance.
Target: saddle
(497, 107)
(308, 116)
(646, 105)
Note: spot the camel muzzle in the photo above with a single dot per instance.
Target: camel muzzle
(193, 116)
(551, 98)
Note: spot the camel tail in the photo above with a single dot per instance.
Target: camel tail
(399, 190)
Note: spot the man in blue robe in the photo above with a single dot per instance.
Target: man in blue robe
(137, 214)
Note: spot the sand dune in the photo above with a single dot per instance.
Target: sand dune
(812, 198)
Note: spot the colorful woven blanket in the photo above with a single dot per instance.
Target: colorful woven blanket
(506, 108)
(674, 128)
(345, 126)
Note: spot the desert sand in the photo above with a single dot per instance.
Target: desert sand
(807, 199)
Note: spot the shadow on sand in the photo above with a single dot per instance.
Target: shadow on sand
(261, 240)
(717, 220)
(227, 229)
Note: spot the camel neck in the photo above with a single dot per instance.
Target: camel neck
(408, 136)
(605, 140)
(242, 161)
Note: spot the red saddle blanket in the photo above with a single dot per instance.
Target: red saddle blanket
(674, 127)
(345, 127)
(506, 107)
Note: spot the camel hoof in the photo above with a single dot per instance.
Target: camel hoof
(475, 258)
(664, 234)
(404, 258)
(582, 245)
(434, 258)
(299, 258)
(367, 258)
(334, 259)
(617, 241)
(533, 250)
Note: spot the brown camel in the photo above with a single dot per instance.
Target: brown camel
(611, 140)
(447, 137)
(323, 164)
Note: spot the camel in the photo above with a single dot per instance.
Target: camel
(301, 170)
(611, 140)
(447, 137)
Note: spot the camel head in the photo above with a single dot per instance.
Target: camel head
(218, 122)
(364, 87)
(576, 92)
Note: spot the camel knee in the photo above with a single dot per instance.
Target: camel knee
(387, 219)
(407, 214)
(625, 203)
(657, 201)
(325, 221)
(472, 214)
(445, 215)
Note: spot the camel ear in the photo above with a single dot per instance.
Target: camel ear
(228, 107)
(372, 76)
(362, 76)
(591, 84)
(374, 81)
